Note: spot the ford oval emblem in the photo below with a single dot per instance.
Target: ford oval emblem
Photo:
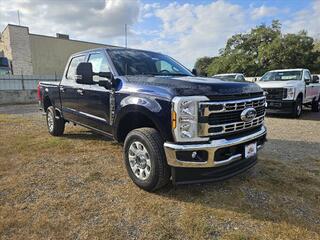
(248, 114)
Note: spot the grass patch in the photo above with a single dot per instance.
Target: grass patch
(76, 186)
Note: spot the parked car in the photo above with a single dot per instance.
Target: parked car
(4, 66)
(289, 89)
(231, 77)
(173, 125)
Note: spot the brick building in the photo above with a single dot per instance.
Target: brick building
(33, 54)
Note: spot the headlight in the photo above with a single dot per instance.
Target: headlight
(290, 93)
(185, 118)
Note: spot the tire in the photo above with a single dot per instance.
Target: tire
(297, 108)
(145, 159)
(316, 105)
(55, 125)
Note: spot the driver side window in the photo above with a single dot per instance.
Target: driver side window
(99, 64)
(307, 75)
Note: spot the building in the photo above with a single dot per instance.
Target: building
(34, 54)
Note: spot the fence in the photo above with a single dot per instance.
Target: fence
(24, 82)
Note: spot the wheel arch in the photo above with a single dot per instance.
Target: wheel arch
(132, 117)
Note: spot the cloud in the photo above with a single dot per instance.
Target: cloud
(190, 31)
(263, 11)
(82, 19)
(307, 19)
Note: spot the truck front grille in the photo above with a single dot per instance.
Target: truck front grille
(276, 93)
(216, 118)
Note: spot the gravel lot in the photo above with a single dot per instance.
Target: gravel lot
(75, 187)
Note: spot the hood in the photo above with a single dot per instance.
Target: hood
(277, 84)
(189, 86)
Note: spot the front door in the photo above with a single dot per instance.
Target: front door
(96, 101)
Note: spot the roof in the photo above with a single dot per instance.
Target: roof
(227, 74)
(286, 70)
(109, 48)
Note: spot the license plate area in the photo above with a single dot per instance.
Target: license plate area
(250, 150)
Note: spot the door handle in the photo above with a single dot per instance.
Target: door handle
(80, 91)
(61, 89)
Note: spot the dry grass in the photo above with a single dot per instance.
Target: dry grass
(75, 187)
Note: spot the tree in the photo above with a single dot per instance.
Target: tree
(263, 49)
(202, 64)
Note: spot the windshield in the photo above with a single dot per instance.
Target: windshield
(136, 62)
(231, 77)
(282, 76)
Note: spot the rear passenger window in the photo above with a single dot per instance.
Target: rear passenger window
(73, 66)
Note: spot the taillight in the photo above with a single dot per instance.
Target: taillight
(39, 92)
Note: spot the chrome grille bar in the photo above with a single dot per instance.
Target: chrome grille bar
(213, 107)
(208, 109)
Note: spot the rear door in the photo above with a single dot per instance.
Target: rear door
(96, 102)
(69, 90)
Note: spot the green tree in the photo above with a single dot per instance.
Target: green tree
(202, 65)
(263, 49)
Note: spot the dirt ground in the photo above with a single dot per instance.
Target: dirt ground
(76, 187)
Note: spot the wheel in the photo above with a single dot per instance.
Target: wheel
(316, 105)
(55, 125)
(145, 159)
(297, 108)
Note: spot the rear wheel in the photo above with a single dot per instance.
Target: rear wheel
(297, 108)
(145, 159)
(55, 123)
(316, 105)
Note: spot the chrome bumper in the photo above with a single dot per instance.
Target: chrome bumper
(211, 148)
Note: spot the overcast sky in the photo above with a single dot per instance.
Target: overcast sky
(183, 29)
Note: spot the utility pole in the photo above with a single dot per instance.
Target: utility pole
(19, 17)
(125, 35)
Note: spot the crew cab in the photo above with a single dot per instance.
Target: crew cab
(173, 125)
(289, 89)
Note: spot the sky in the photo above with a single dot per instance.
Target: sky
(183, 29)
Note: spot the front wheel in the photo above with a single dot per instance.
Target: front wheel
(145, 159)
(316, 105)
(297, 108)
(55, 123)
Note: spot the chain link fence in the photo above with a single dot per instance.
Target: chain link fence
(25, 82)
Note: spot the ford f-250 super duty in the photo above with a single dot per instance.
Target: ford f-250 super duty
(174, 126)
(289, 89)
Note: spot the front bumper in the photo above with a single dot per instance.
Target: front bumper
(233, 149)
(280, 106)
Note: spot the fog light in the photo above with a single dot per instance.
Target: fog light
(194, 154)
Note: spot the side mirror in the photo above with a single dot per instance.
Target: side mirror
(195, 72)
(315, 79)
(307, 81)
(84, 74)
(105, 83)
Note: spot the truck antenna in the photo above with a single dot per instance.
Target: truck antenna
(18, 12)
(125, 35)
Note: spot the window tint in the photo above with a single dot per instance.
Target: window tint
(308, 75)
(73, 66)
(99, 64)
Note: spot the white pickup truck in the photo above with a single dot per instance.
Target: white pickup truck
(289, 89)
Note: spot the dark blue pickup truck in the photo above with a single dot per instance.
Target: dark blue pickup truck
(173, 125)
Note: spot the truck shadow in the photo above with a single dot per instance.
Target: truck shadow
(272, 191)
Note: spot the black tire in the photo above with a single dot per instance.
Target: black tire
(159, 171)
(297, 108)
(58, 123)
(316, 105)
